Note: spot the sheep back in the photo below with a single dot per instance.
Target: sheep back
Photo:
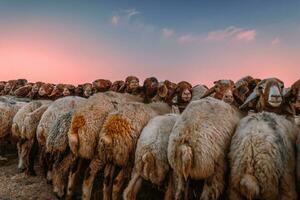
(201, 136)
(261, 152)
(151, 160)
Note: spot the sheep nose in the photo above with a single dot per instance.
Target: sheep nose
(276, 96)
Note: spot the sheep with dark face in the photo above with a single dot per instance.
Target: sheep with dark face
(24, 127)
(33, 94)
(83, 136)
(118, 139)
(198, 145)
(183, 95)
(45, 90)
(293, 96)
(62, 90)
(150, 87)
(268, 95)
(151, 162)
(262, 158)
(101, 85)
(23, 91)
(117, 85)
(243, 88)
(131, 86)
(166, 91)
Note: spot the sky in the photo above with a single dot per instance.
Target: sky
(199, 41)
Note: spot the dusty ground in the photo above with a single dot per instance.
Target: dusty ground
(18, 186)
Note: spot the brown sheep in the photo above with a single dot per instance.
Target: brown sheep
(117, 85)
(222, 90)
(165, 92)
(33, 94)
(243, 88)
(131, 85)
(150, 87)
(183, 95)
(83, 135)
(2, 86)
(293, 96)
(45, 90)
(118, 139)
(101, 85)
(268, 96)
(24, 90)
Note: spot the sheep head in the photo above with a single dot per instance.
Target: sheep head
(117, 85)
(243, 88)
(79, 90)
(23, 91)
(46, 90)
(68, 90)
(2, 86)
(292, 96)
(87, 89)
(9, 86)
(184, 92)
(132, 84)
(150, 88)
(223, 90)
(268, 94)
(101, 85)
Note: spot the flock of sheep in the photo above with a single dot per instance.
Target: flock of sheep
(236, 140)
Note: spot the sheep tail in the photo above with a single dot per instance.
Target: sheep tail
(77, 123)
(186, 157)
(148, 163)
(249, 186)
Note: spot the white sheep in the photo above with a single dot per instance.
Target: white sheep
(198, 145)
(151, 161)
(262, 158)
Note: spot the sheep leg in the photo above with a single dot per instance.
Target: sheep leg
(214, 185)
(32, 151)
(118, 182)
(170, 188)
(108, 179)
(73, 174)
(90, 175)
(133, 187)
(287, 185)
(180, 183)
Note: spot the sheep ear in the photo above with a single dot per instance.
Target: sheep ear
(209, 92)
(251, 97)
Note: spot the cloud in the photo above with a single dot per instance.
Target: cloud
(115, 20)
(229, 33)
(187, 39)
(168, 32)
(232, 32)
(246, 35)
(124, 18)
(275, 41)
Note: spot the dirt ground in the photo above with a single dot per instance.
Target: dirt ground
(18, 186)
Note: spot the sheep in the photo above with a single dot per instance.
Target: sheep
(198, 91)
(262, 158)
(117, 142)
(117, 85)
(150, 87)
(33, 94)
(57, 143)
(183, 95)
(54, 111)
(23, 91)
(151, 162)
(165, 92)
(243, 88)
(131, 85)
(62, 90)
(23, 130)
(198, 145)
(8, 109)
(45, 90)
(2, 86)
(101, 85)
(86, 124)
(293, 96)
(268, 95)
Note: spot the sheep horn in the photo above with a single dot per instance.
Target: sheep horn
(250, 98)
(209, 92)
